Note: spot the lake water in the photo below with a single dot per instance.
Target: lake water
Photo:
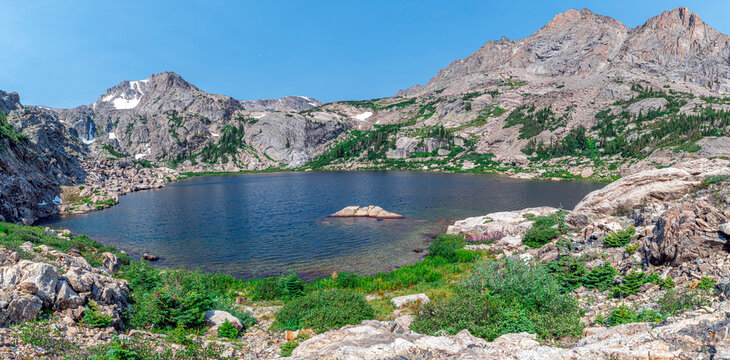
(264, 224)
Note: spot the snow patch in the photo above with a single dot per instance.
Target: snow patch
(123, 104)
(57, 200)
(87, 142)
(215, 135)
(42, 203)
(145, 153)
(112, 136)
(364, 116)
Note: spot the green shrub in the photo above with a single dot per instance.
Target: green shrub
(179, 336)
(569, 271)
(674, 301)
(347, 280)
(465, 256)
(620, 238)
(600, 277)
(500, 298)
(291, 286)
(120, 350)
(266, 289)
(632, 248)
(620, 315)
(324, 310)
(706, 283)
(624, 315)
(93, 317)
(654, 278)
(541, 232)
(446, 246)
(171, 308)
(288, 348)
(631, 284)
(714, 179)
(227, 330)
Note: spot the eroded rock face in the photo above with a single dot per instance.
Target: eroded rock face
(684, 233)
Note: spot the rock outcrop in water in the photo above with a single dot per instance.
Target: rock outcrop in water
(366, 211)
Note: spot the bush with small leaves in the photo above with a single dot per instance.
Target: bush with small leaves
(620, 238)
(446, 246)
(631, 284)
(227, 330)
(706, 283)
(291, 285)
(499, 298)
(93, 317)
(674, 301)
(624, 315)
(324, 310)
(541, 232)
(288, 348)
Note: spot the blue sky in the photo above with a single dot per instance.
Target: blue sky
(67, 53)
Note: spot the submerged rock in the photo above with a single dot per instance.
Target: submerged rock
(150, 257)
(367, 211)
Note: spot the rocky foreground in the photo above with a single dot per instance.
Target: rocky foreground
(683, 232)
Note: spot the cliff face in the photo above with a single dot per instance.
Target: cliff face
(34, 162)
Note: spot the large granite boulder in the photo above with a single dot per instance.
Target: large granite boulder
(657, 185)
(510, 223)
(684, 233)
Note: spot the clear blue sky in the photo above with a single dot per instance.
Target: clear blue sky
(67, 53)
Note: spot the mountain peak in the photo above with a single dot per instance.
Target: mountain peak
(567, 17)
(169, 79)
(127, 94)
(681, 17)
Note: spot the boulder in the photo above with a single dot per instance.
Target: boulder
(403, 301)
(509, 223)
(22, 309)
(150, 257)
(625, 193)
(216, 318)
(66, 297)
(684, 233)
(111, 262)
(366, 211)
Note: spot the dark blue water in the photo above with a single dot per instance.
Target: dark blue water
(262, 224)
